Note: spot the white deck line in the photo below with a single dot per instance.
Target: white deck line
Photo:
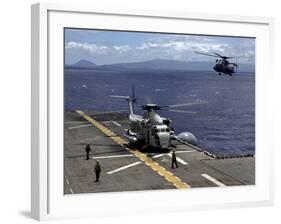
(186, 151)
(117, 156)
(67, 181)
(114, 122)
(158, 155)
(124, 167)
(131, 155)
(80, 126)
(131, 165)
(213, 180)
(137, 163)
(179, 160)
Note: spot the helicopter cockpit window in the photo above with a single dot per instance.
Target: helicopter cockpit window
(159, 130)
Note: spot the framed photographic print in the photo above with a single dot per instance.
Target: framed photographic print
(148, 111)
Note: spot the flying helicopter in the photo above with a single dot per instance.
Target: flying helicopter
(152, 130)
(222, 65)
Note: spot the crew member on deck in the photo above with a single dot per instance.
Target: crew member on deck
(174, 159)
(88, 150)
(97, 171)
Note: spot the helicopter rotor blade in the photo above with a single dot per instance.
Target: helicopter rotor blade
(187, 104)
(152, 106)
(134, 100)
(224, 57)
(121, 97)
(211, 55)
(219, 55)
(133, 91)
(177, 111)
(183, 111)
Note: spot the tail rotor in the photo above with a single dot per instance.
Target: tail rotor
(131, 99)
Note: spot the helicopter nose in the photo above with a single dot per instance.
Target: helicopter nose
(164, 139)
(216, 68)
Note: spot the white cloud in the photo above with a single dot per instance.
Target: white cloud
(92, 48)
(122, 48)
(177, 47)
(97, 49)
(183, 46)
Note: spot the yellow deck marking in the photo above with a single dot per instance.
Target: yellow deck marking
(148, 161)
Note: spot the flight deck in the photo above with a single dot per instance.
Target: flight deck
(125, 168)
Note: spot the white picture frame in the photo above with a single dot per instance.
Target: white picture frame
(48, 201)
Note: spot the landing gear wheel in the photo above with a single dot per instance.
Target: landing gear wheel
(230, 74)
(219, 73)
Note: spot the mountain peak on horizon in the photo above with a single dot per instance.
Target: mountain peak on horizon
(84, 62)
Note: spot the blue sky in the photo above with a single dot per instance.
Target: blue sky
(109, 47)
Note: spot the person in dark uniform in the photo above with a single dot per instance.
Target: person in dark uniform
(97, 171)
(88, 150)
(174, 159)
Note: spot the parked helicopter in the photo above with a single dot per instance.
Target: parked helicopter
(152, 130)
(222, 65)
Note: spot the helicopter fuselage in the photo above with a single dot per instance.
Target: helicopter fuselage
(224, 68)
(222, 65)
(151, 130)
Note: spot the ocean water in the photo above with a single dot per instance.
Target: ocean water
(218, 110)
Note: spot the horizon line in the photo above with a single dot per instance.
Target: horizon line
(156, 59)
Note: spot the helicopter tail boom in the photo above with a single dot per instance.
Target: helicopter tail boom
(131, 101)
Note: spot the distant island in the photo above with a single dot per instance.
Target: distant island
(157, 64)
(84, 63)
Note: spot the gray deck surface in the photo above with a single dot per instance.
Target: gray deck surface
(195, 168)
